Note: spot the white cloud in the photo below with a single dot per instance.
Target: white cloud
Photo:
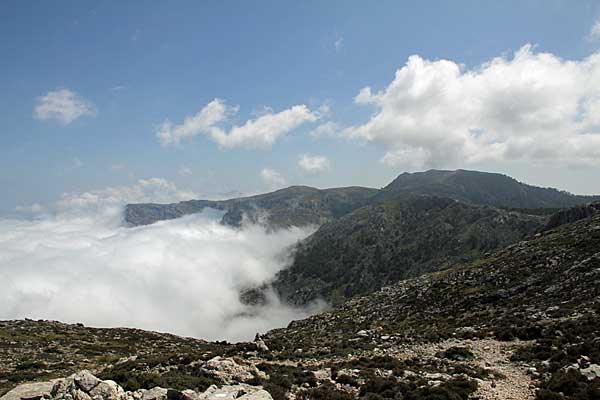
(595, 30)
(272, 178)
(338, 43)
(535, 107)
(312, 164)
(75, 163)
(108, 202)
(260, 132)
(35, 208)
(328, 128)
(62, 105)
(79, 264)
(117, 167)
(185, 171)
(213, 113)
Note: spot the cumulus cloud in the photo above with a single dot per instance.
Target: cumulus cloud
(534, 106)
(272, 178)
(328, 128)
(595, 31)
(260, 132)
(62, 105)
(313, 164)
(79, 264)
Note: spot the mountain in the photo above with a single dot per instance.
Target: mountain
(303, 205)
(481, 188)
(293, 206)
(380, 244)
(420, 222)
(519, 323)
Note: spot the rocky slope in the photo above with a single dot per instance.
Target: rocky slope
(380, 244)
(521, 323)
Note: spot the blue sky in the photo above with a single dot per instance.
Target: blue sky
(122, 69)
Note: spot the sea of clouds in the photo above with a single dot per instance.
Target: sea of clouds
(76, 262)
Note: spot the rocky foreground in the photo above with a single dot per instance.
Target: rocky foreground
(522, 323)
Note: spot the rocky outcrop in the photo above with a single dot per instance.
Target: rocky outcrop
(570, 215)
(30, 391)
(231, 370)
(85, 386)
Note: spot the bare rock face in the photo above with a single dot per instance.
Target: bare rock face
(30, 391)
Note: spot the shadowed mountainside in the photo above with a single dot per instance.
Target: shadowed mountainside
(378, 245)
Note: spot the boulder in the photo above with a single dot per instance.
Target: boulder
(591, 372)
(239, 392)
(107, 390)
(156, 393)
(231, 371)
(30, 391)
(85, 380)
(79, 394)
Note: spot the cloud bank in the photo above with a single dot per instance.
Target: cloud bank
(261, 132)
(534, 106)
(62, 105)
(78, 264)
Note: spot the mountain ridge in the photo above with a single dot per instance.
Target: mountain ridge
(310, 206)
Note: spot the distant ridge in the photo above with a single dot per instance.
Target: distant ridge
(304, 205)
(292, 206)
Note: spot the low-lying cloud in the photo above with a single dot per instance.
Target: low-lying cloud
(79, 264)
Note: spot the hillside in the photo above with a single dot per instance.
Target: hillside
(380, 244)
(520, 323)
